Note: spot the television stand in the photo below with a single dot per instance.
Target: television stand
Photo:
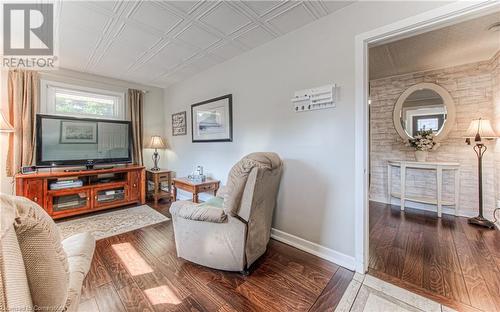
(123, 186)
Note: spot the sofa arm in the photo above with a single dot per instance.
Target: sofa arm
(197, 212)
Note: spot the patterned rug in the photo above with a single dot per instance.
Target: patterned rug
(112, 223)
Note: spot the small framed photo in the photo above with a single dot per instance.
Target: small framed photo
(179, 124)
(212, 120)
(78, 132)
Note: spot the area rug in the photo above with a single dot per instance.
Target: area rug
(111, 223)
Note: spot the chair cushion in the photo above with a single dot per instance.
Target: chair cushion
(214, 202)
(44, 258)
(197, 212)
(80, 251)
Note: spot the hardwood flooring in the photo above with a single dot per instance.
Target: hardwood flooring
(140, 271)
(444, 259)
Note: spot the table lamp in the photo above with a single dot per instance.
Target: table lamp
(156, 142)
(5, 126)
(479, 130)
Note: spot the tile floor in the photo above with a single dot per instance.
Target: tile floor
(366, 293)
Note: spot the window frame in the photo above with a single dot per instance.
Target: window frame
(48, 103)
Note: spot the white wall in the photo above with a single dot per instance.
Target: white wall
(316, 200)
(153, 109)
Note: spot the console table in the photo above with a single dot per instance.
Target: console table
(210, 185)
(439, 167)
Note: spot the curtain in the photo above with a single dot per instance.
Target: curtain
(136, 103)
(23, 93)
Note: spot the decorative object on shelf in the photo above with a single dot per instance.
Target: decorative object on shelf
(479, 130)
(212, 120)
(156, 142)
(422, 143)
(197, 176)
(5, 126)
(315, 98)
(78, 132)
(179, 124)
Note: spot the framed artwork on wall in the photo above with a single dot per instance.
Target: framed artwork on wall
(212, 120)
(78, 132)
(179, 124)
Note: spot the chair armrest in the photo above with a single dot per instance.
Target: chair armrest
(222, 191)
(197, 212)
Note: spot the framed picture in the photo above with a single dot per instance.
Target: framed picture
(78, 132)
(179, 123)
(212, 120)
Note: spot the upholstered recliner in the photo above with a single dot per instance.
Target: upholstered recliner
(39, 270)
(230, 231)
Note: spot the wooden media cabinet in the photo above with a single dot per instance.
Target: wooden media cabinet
(101, 189)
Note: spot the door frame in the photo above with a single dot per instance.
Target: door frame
(436, 18)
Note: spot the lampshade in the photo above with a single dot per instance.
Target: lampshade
(5, 126)
(157, 142)
(481, 127)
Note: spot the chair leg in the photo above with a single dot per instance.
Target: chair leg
(245, 272)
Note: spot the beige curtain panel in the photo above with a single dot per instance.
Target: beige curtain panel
(136, 103)
(23, 93)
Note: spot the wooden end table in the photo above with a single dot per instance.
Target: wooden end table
(158, 177)
(210, 185)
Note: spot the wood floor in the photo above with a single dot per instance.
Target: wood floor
(444, 259)
(140, 271)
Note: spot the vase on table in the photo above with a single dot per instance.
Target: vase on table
(421, 156)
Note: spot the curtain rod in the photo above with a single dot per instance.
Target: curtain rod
(91, 81)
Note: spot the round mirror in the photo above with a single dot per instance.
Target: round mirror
(425, 106)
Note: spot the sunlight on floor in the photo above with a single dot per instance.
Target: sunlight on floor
(135, 264)
(161, 295)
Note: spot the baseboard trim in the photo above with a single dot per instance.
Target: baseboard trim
(432, 208)
(331, 255)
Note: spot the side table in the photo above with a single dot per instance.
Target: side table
(210, 185)
(157, 177)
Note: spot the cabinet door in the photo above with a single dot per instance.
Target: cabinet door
(67, 202)
(134, 185)
(33, 190)
(111, 195)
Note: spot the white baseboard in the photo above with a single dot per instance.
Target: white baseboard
(427, 207)
(331, 255)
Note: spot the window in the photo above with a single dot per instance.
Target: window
(69, 100)
(427, 124)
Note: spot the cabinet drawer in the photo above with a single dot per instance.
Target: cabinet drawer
(207, 188)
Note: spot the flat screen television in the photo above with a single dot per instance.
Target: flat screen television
(68, 141)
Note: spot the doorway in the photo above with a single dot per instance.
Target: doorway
(433, 20)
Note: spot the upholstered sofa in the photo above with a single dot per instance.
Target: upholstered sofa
(230, 231)
(38, 270)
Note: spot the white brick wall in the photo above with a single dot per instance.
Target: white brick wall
(475, 89)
